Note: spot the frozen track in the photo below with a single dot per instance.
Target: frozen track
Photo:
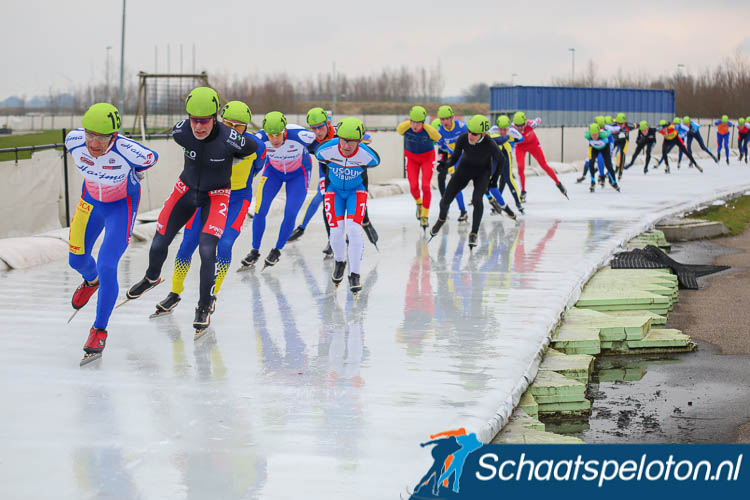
(297, 390)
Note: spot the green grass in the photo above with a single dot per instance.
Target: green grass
(735, 214)
(35, 139)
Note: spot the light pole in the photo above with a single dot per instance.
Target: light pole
(122, 60)
(572, 65)
(109, 95)
(512, 77)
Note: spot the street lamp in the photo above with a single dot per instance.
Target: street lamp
(572, 65)
(109, 96)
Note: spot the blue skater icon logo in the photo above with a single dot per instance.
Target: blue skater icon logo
(449, 455)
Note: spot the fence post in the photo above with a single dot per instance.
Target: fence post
(562, 143)
(65, 177)
(731, 138)
(708, 137)
(404, 159)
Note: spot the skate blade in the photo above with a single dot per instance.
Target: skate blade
(199, 333)
(159, 313)
(125, 301)
(73, 315)
(327, 256)
(89, 358)
(244, 268)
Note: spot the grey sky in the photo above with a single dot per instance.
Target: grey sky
(62, 45)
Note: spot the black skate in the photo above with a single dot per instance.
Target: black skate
(273, 258)
(249, 260)
(727, 159)
(298, 231)
(338, 272)
(523, 196)
(562, 189)
(354, 284)
(139, 289)
(617, 188)
(509, 212)
(201, 320)
(436, 227)
(167, 305)
(601, 180)
(328, 252)
(592, 187)
(520, 209)
(666, 169)
(372, 235)
(495, 205)
(464, 216)
(700, 169)
(580, 179)
(473, 237)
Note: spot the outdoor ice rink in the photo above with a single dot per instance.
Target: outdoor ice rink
(296, 391)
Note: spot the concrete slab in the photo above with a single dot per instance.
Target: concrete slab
(573, 337)
(661, 338)
(594, 297)
(688, 229)
(533, 436)
(549, 384)
(574, 366)
(528, 404)
(571, 408)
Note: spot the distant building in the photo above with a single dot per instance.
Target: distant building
(577, 106)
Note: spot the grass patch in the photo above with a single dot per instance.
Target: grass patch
(35, 139)
(735, 214)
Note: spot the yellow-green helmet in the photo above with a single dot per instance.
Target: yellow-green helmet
(662, 123)
(620, 118)
(608, 120)
(236, 111)
(519, 118)
(274, 122)
(445, 111)
(740, 122)
(478, 124)
(202, 101)
(594, 129)
(643, 125)
(676, 120)
(724, 118)
(686, 120)
(418, 114)
(503, 121)
(435, 123)
(351, 129)
(102, 118)
(599, 120)
(317, 117)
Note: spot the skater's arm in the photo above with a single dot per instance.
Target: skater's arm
(402, 127)
(457, 150)
(434, 134)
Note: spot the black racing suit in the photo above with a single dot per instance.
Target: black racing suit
(647, 141)
(622, 139)
(476, 166)
(204, 183)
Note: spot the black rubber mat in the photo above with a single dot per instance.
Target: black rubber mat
(652, 257)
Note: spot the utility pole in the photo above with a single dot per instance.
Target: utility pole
(122, 62)
(572, 65)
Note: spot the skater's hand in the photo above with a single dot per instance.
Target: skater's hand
(140, 175)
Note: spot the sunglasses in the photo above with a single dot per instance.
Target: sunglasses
(274, 136)
(201, 121)
(238, 126)
(319, 126)
(98, 137)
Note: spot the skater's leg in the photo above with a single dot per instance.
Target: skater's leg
(538, 155)
(521, 162)
(426, 169)
(506, 176)
(184, 256)
(177, 211)
(85, 228)
(481, 184)
(119, 221)
(235, 217)
(455, 185)
(296, 190)
(356, 204)
(312, 208)
(214, 219)
(412, 175)
(268, 187)
(335, 211)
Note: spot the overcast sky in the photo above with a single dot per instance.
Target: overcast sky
(62, 45)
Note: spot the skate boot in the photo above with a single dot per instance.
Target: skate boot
(167, 305)
(617, 187)
(249, 260)
(338, 272)
(473, 237)
(369, 230)
(509, 212)
(419, 209)
(354, 284)
(496, 208)
(520, 209)
(562, 189)
(83, 293)
(700, 169)
(666, 169)
(580, 179)
(94, 345)
(645, 170)
(213, 304)
(436, 227)
(601, 181)
(298, 231)
(202, 319)
(273, 258)
(328, 251)
(523, 196)
(141, 287)
(423, 220)
(727, 159)
(592, 187)
(463, 217)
